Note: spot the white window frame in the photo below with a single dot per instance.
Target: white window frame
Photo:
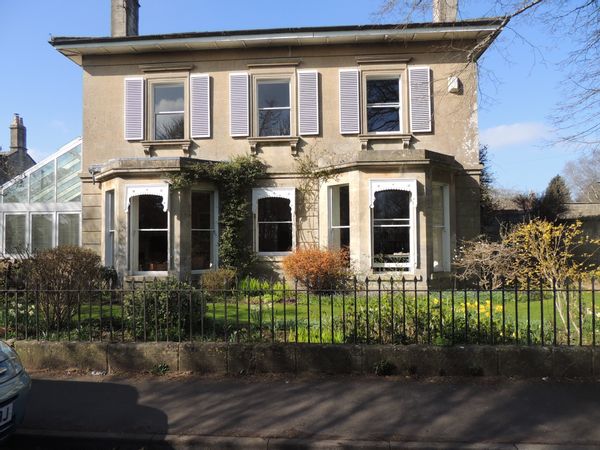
(331, 213)
(257, 109)
(27, 221)
(214, 260)
(53, 226)
(444, 265)
(384, 105)
(109, 228)
(396, 185)
(152, 84)
(132, 194)
(57, 223)
(288, 193)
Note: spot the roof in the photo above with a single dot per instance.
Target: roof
(474, 29)
(61, 151)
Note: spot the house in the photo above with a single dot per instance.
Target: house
(390, 110)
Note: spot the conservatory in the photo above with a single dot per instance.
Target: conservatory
(41, 208)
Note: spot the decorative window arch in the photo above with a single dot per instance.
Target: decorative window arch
(393, 224)
(161, 190)
(274, 225)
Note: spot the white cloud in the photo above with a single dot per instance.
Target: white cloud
(513, 134)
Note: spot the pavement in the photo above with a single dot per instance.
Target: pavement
(183, 412)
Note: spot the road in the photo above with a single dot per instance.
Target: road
(337, 412)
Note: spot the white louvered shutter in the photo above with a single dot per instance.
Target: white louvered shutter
(308, 102)
(134, 109)
(200, 105)
(349, 101)
(238, 104)
(420, 99)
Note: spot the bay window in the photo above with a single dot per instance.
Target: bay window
(393, 233)
(203, 230)
(441, 228)
(149, 227)
(339, 217)
(274, 220)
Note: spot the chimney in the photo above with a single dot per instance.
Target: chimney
(18, 134)
(124, 15)
(445, 10)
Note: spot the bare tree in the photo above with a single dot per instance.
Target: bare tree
(583, 176)
(576, 118)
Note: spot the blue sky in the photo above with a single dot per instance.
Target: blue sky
(521, 88)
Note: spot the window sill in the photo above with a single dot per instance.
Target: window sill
(365, 139)
(152, 145)
(257, 142)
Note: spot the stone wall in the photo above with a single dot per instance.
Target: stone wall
(242, 359)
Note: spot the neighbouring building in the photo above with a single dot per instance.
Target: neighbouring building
(41, 207)
(390, 109)
(16, 160)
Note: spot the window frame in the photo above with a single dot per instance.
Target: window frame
(384, 105)
(151, 83)
(109, 228)
(214, 246)
(288, 193)
(26, 214)
(273, 77)
(330, 193)
(445, 265)
(382, 73)
(409, 186)
(57, 226)
(132, 194)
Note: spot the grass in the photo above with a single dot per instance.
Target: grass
(330, 319)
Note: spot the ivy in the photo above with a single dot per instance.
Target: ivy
(234, 179)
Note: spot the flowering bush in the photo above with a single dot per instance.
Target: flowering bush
(319, 269)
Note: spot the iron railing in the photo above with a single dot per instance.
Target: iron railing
(381, 311)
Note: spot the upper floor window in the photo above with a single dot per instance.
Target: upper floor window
(384, 112)
(168, 111)
(285, 103)
(173, 109)
(373, 101)
(274, 107)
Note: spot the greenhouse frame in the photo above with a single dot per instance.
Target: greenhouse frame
(41, 208)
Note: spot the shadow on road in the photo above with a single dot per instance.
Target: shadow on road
(107, 409)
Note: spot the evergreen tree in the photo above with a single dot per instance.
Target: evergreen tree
(553, 202)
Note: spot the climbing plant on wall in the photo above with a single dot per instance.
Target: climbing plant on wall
(234, 179)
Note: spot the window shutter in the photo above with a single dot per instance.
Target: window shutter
(420, 99)
(308, 102)
(349, 102)
(238, 104)
(200, 105)
(134, 109)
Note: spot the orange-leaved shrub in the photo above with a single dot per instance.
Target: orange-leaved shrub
(319, 269)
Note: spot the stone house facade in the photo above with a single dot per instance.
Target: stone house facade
(391, 110)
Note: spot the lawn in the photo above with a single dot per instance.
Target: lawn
(442, 318)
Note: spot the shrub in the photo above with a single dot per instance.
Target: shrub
(319, 269)
(219, 280)
(162, 309)
(60, 274)
(485, 262)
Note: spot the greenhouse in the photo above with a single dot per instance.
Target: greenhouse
(41, 208)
